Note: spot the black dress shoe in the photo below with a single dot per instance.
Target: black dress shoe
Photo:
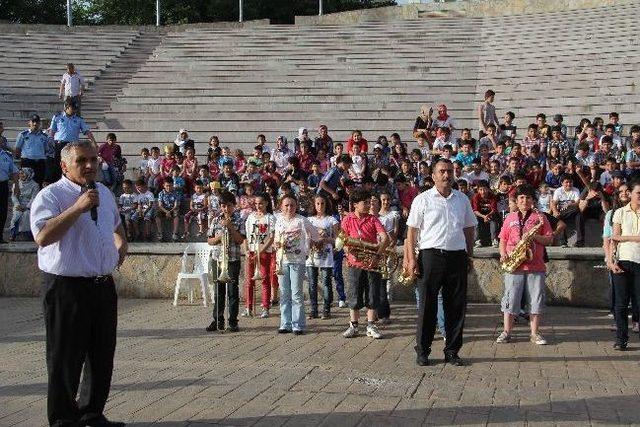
(422, 360)
(284, 331)
(620, 346)
(212, 327)
(101, 422)
(232, 328)
(454, 360)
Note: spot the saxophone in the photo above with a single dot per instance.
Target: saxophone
(522, 251)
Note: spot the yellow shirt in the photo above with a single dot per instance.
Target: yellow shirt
(629, 221)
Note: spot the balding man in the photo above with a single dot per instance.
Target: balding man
(76, 224)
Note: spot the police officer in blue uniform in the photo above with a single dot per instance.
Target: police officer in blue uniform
(8, 173)
(31, 148)
(65, 128)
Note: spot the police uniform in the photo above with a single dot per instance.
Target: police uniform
(8, 170)
(65, 129)
(33, 148)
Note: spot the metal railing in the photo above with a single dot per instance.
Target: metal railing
(240, 13)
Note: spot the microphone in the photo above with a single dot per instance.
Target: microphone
(91, 185)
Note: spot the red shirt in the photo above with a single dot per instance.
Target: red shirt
(365, 228)
(407, 195)
(109, 152)
(510, 233)
(484, 206)
(364, 145)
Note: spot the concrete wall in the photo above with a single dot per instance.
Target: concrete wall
(462, 8)
(150, 271)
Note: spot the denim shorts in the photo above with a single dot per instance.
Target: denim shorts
(514, 286)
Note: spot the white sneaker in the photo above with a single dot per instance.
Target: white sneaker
(477, 244)
(538, 339)
(372, 331)
(496, 243)
(351, 332)
(264, 314)
(503, 338)
(246, 313)
(342, 304)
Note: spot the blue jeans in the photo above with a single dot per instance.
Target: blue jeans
(292, 297)
(440, 308)
(109, 176)
(338, 257)
(324, 274)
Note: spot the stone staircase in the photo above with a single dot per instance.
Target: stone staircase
(109, 84)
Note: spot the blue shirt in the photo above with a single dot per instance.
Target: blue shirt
(7, 167)
(332, 179)
(314, 180)
(168, 200)
(32, 145)
(68, 128)
(466, 159)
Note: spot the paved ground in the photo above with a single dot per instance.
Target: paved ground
(170, 372)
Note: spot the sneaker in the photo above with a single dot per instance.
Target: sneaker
(620, 346)
(342, 304)
(477, 244)
(247, 313)
(610, 315)
(495, 243)
(635, 327)
(538, 339)
(372, 331)
(185, 236)
(351, 332)
(175, 237)
(265, 313)
(503, 338)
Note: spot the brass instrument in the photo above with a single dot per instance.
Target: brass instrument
(223, 262)
(367, 253)
(256, 268)
(408, 278)
(280, 257)
(522, 251)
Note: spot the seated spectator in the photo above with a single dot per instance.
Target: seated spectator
(533, 138)
(107, 154)
(179, 184)
(585, 160)
(282, 154)
(189, 171)
(554, 177)
(314, 178)
(214, 143)
(198, 208)
(484, 205)
(610, 166)
(443, 119)
(229, 180)
(617, 179)
(306, 157)
(143, 164)
(407, 193)
(466, 154)
(634, 136)
(303, 136)
(464, 137)
(21, 200)
(490, 140)
(240, 162)
(253, 176)
(323, 141)
(589, 136)
(168, 208)
(182, 142)
(564, 206)
(508, 128)
(476, 174)
(633, 161)
(593, 204)
(544, 196)
(424, 121)
(544, 130)
(128, 206)
(357, 138)
(614, 120)
(323, 161)
(558, 122)
(500, 155)
(294, 173)
(443, 137)
(145, 209)
(616, 141)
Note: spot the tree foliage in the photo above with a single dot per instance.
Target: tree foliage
(142, 12)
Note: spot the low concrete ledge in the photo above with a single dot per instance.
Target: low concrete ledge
(575, 276)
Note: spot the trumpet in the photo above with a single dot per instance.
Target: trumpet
(256, 268)
(280, 257)
(408, 278)
(367, 253)
(223, 262)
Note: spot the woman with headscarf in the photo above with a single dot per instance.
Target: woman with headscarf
(281, 154)
(443, 119)
(424, 122)
(22, 203)
(183, 142)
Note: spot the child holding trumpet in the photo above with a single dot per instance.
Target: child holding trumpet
(261, 260)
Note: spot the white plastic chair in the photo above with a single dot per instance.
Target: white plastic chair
(200, 271)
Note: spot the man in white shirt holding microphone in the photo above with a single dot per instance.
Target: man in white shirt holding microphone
(76, 224)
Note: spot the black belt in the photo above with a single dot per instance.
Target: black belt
(85, 279)
(444, 251)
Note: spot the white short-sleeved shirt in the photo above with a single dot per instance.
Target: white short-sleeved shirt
(563, 197)
(88, 248)
(296, 234)
(259, 229)
(154, 165)
(323, 258)
(72, 83)
(629, 221)
(441, 220)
